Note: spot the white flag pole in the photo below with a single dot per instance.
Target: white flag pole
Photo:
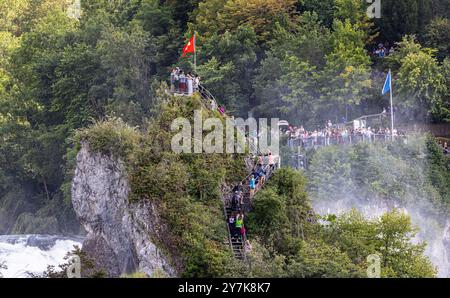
(392, 106)
(195, 52)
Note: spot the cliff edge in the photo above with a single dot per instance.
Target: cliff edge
(122, 235)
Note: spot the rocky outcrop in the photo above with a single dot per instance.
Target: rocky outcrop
(121, 236)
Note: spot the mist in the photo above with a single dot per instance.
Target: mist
(336, 191)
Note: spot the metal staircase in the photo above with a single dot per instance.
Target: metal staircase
(235, 241)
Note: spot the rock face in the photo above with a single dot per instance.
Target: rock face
(121, 235)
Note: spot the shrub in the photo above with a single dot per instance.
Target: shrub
(111, 136)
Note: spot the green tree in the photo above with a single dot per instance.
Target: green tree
(436, 36)
(399, 18)
(316, 259)
(422, 86)
(346, 76)
(354, 234)
(399, 257)
(286, 82)
(269, 218)
(324, 9)
(219, 16)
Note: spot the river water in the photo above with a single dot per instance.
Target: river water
(23, 254)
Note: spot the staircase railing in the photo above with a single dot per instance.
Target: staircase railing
(206, 95)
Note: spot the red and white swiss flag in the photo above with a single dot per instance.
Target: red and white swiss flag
(190, 47)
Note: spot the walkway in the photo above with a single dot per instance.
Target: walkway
(235, 240)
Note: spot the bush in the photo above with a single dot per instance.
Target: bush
(317, 259)
(110, 137)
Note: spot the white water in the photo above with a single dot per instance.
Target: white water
(33, 253)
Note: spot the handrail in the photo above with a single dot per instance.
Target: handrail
(205, 94)
(321, 141)
(226, 220)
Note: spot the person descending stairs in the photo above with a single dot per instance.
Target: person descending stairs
(239, 201)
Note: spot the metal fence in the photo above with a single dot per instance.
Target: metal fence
(322, 141)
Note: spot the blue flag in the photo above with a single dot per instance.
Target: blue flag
(387, 84)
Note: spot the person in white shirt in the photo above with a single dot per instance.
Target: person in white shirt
(190, 84)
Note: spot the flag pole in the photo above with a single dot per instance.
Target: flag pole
(392, 106)
(195, 51)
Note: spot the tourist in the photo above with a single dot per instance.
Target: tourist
(252, 185)
(239, 222)
(232, 224)
(196, 82)
(330, 136)
(235, 201)
(238, 187)
(212, 105)
(260, 161)
(240, 198)
(190, 84)
(177, 79)
(243, 232)
(173, 79)
(271, 160)
(255, 174)
(182, 79)
(262, 175)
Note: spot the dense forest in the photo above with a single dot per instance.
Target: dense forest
(305, 61)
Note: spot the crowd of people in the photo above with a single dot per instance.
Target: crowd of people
(383, 50)
(186, 84)
(253, 183)
(333, 135)
(182, 82)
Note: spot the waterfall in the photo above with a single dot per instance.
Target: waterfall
(24, 254)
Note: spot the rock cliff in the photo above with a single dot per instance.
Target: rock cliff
(122, 236)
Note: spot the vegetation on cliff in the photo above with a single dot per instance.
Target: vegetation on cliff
(305, 61)
(288, 238)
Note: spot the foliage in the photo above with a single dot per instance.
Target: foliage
(110, 137)
(402, 17)
(182, 185)
(88, 267)
(389, 236)
(283, 226)
(316, 259)
(436, 36)
(346, 72)
(221, 15)
(263, 264)
(422, 85)
(305, 61)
